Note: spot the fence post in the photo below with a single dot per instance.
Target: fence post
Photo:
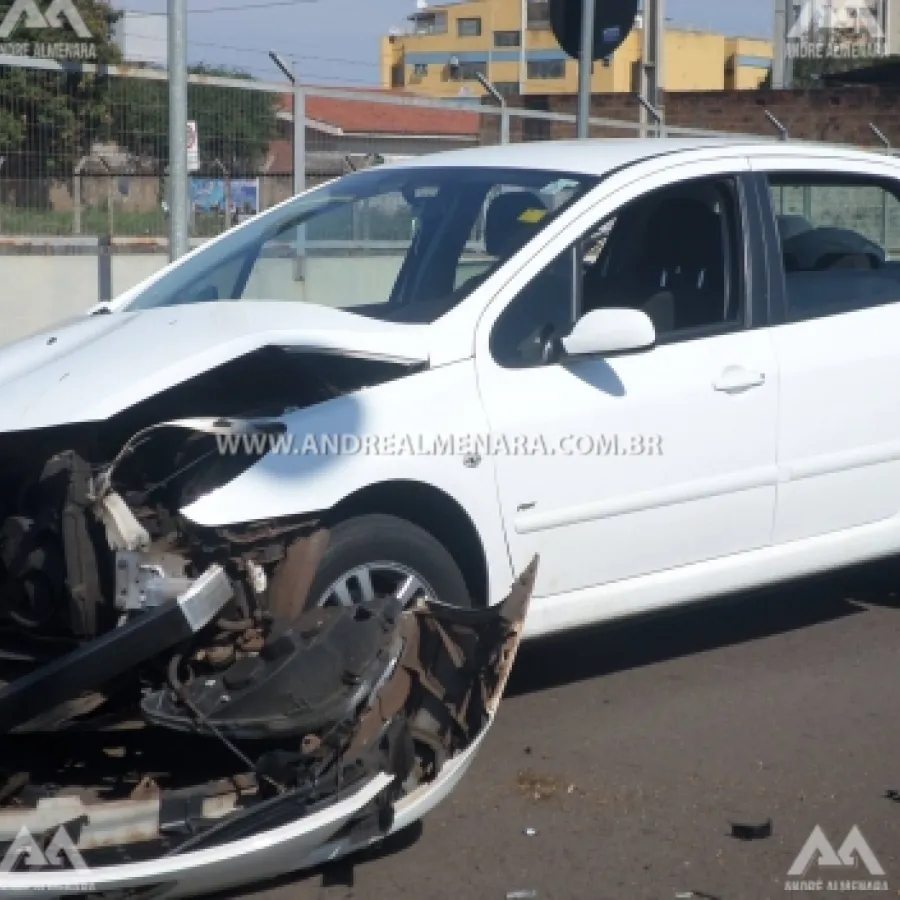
(648, 107)
(76, 195)
(504, 124)
(885, 217)
(104, 268)
(300, 174)
(782, 130)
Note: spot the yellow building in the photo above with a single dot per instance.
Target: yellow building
(445, 46)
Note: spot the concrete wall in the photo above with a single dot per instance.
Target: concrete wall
(40, 290)
(840, 115)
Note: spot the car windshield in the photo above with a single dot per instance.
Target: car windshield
(400, 244)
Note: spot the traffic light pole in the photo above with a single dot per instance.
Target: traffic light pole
(586, 67)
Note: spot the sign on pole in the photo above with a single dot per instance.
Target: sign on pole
(193, 148)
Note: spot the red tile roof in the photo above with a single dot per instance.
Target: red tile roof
(366, 117)
(281, 157)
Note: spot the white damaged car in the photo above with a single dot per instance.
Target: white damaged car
(231, 647)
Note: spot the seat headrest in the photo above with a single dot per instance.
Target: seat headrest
(791, 225)
(822, 247)
(683, 231)
(505, 231)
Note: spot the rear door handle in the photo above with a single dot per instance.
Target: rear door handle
(736, 379)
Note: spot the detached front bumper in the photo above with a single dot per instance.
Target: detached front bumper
(404, 749)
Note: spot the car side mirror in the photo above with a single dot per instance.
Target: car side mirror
(605, 332)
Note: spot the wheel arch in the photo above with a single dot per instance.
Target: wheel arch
(432, 510)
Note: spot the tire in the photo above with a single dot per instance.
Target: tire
(380, 539)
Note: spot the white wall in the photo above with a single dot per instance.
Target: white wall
(37, 291)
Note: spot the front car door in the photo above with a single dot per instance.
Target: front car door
(835, 241)
(648, 462)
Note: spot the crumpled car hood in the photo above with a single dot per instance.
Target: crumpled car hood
(91, 368)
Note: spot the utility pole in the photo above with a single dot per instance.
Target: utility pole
(586, 67)
(779, 60)
(653, 39)
(178, 176)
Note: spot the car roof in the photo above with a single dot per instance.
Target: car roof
(599, 156)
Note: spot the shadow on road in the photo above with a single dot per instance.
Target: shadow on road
(630, 644)
(336, 874)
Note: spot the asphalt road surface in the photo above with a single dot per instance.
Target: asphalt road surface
(621, 756)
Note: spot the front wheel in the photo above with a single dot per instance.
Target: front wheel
(378, 555)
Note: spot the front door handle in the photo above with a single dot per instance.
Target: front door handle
(736, 379)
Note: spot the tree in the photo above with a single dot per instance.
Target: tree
(235, 125)
(48, 120)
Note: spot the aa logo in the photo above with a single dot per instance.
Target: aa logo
(52, 18)
(819, 16)
(25, 852)
(819, 851)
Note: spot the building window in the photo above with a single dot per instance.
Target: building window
(507, 88)
(468, 71)
(507, 38)
(420, 70)
(546, 68)
(398, 75)
(429, 23)
(538, 15)
(468, 27)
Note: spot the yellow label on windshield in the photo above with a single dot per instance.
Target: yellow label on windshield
(532, 216)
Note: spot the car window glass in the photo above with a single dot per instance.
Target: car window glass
(350, 231)
(839, 241)
(674, 254)
(543, 312)
(404, 243)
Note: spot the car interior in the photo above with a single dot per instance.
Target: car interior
(830, 270)
(674, 255)
(511, 220)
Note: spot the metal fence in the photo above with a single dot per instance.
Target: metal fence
(83, 169)
(83, 147)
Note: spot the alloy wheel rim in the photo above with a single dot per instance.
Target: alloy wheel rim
(365, 583)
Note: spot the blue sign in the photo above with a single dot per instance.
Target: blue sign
(209, 195)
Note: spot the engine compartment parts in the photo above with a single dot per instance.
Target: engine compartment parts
(173, 713)
(115, 652)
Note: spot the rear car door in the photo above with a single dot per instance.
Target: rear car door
(835, 248)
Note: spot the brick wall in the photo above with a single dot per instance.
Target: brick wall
(840, 115)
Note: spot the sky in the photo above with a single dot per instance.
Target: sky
(337, 41)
